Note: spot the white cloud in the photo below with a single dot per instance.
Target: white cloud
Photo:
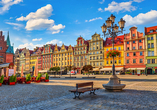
(43, 12)
(102, 2)
(93, 19)
(11, 18)
(39, 20)
(23, 40)
(123, 6)
(141, 18)
(77, 22)
(6, 4)
(37, 24)
(62, 31)
(100, 9)
(138, 1)
(17, 26)
(30, 46)
(37, 39)
(55, 41)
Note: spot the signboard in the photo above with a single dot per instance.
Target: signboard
(138, 71)
(11, 72)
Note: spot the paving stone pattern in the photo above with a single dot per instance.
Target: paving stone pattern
(140, 93)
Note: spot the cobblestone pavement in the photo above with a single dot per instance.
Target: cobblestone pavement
(140, 93)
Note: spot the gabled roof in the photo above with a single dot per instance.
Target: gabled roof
(118, 41)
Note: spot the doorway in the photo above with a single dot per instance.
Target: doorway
(149, 71)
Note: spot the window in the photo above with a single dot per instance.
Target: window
(100, 57)
(153, 60)
(127, 48)
(100, 63)
(97, 48)
(115, 61)
(97, 57)
(148, 61)
(110, 48)
(93, 58)
(93, 52)
(156, 30)
(134, 60)
(140, 47)
(152, 53)
(119, 48)
(115, 48)
(127, 61)
(134, 54)
(134, 48)
(119, 61)
(127, 54)
(133, 41)
(110, 62)
(0, 48)
(149, 53)
(151, 38)
(119, 55)
(93, 48)
(97, 43)
(152, 45)
(106, 49)
(97, 64)
(106, 62)
(141, 60)
(97, 52)
(151, 31)
(93, 43)
(127, 42)
(140, 41)
(148, 45)
(141, 53)
(133, 35)
(148, 38)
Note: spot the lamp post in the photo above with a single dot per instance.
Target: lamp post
(113, 31)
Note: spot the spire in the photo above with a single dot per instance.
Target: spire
(8, 40)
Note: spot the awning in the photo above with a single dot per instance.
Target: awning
(110, 69)
(135, 68)
(44, 71)
(95, 69)
(5, 65)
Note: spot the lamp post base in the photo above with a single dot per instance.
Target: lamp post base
(114, 84)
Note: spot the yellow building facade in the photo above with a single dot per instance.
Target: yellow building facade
(118, 60)
(63, 56)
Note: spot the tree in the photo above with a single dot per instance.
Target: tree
(56, 69)
(87, 68)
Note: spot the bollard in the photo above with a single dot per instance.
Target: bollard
(119, 81)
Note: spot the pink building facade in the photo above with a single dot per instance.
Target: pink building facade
(134, 51)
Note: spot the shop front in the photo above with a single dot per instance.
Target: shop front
(151, 69)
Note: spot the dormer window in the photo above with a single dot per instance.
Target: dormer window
(151, 31)
(156, 30)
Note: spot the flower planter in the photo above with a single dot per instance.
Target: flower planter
(28, 82)
(38, 81)
(0, 84)
(46, 80)
(138, 74)
(130, 73)
(11, 83)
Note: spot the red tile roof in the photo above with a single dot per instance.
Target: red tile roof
(118, 41)
(147, 30)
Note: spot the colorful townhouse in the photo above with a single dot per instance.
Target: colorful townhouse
(134, 51)
(33, 60)
(39, 55)
(63, 56)
(27, 58)
(119, 60)
(23, 60)
(46, 58)
(80, 53)
(17, 59)
(96, 52)
(151, 49)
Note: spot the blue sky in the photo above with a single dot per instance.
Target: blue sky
(37, 22)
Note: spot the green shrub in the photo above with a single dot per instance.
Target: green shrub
(12, 78)
(28, 77)
(47, 76)
(38, 77)
(2, 79)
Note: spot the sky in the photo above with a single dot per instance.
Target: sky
(34, 23)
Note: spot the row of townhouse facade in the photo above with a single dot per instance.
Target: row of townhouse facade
(138, 54)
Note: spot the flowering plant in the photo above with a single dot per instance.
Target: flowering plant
(112, 53)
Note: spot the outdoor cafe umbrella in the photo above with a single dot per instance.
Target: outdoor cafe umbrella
(2, 72)
(22, 71)
(14, 70)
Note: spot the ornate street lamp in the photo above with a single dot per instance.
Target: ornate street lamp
(113, 31)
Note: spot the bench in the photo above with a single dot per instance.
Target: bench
(83, 87)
